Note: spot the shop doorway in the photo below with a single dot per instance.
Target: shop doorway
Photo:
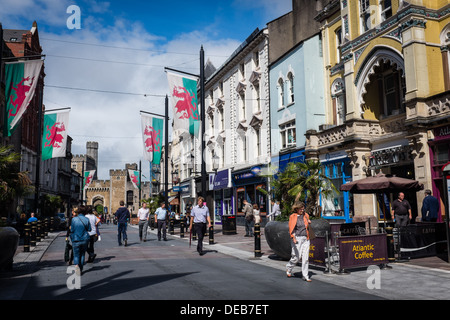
(406, 171)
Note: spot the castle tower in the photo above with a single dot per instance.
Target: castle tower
(92, 151)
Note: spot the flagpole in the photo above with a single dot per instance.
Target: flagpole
(182, 72)
(202, 102)
(166, 153)
(38, 153)
(140, 181)
(82, 183)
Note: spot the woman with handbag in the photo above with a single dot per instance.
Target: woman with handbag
(79, 234)
(300, 240)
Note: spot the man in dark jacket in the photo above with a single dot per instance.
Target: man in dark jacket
(430, 207)
(123, 215)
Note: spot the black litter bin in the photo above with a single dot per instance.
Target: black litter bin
(228, 224)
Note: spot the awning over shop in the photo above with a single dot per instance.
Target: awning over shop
(174, 201)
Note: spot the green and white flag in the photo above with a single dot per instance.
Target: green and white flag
(152, 136)
(88, 177)
(186, 114)
(54, 140)
(135, 178)
(21, 79)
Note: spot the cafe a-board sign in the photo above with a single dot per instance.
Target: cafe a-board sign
(365, 250)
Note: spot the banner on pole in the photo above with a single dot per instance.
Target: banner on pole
(88, 177)
(135, 178)
(152, 137)
(21, 79)
(186, 114)
(54, 140)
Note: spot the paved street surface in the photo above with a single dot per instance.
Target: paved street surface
(171, 270)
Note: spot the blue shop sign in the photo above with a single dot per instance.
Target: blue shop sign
(221, 180)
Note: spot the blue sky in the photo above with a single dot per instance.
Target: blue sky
(133, 40)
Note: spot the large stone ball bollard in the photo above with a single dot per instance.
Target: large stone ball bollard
(277, 235)
(9, 241)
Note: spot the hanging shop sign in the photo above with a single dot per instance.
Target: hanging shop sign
(358, 251)
(221, 179)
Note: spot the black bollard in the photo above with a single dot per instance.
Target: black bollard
(172, 226)
(51, 224)
(390, 243)
(46, 227)
(211, 235)
(38, 231)
(181, 228)
(257, 240)
(33, 234)
(27, 238)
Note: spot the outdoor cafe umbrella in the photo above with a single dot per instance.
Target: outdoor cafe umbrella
(381, 184)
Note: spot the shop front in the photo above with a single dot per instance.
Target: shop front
(440, 155)
(249, 185)
(394, 159)
(338, 207)
(185, 196)
(223, 192)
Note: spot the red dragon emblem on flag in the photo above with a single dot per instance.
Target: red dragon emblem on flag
(88, 179)
(54, 137)
(134, 179)
(21, 90)
(152, 142)
(185, 106)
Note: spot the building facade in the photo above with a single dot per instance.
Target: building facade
(387, 94)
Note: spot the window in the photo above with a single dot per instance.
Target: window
(280, 93)
(394, 91)
(338, 36)
(338, 96)
(364, 15)
(242, 70)
(258, 142)
(257, 102)
(222, 120)
(287, 134)
(242, 105)
(290, 88)
(243, 148)
(256, 59)
(386, 9)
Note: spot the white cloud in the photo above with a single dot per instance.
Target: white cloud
(113, 119)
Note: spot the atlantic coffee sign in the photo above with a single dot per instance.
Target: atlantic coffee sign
(358, 251)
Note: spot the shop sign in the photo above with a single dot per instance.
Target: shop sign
(317, 251)
(181, 189)
(221, 180)
(254, 172)
(358, 251)
(389, 156)
(442, 132)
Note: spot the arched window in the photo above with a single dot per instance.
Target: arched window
(290, 83)
(338, 98)
(445, 51)
(280, 88)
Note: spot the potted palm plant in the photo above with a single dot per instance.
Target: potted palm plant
(299, 181)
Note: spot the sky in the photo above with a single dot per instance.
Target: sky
(121, 49)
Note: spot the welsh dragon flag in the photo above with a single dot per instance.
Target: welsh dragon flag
(135, 179)
(88, 177)
(54, 138)
(152, 136)
(186, 115)
(21, 79)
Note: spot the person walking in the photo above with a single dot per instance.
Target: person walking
(123, 215)
(298, 231)
(160, 219)
(93, 236)
(430, 207)
(199, 218)
(249, 218)
(401, 210)
(32, 218)
(143, 215)
(256, 214)
(79, 236)
(275, 210)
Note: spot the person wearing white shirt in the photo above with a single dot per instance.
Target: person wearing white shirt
(143, 215)
(93, 236)
(275, 210)
(199, 218)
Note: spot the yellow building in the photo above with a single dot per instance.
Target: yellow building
(388, 92)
